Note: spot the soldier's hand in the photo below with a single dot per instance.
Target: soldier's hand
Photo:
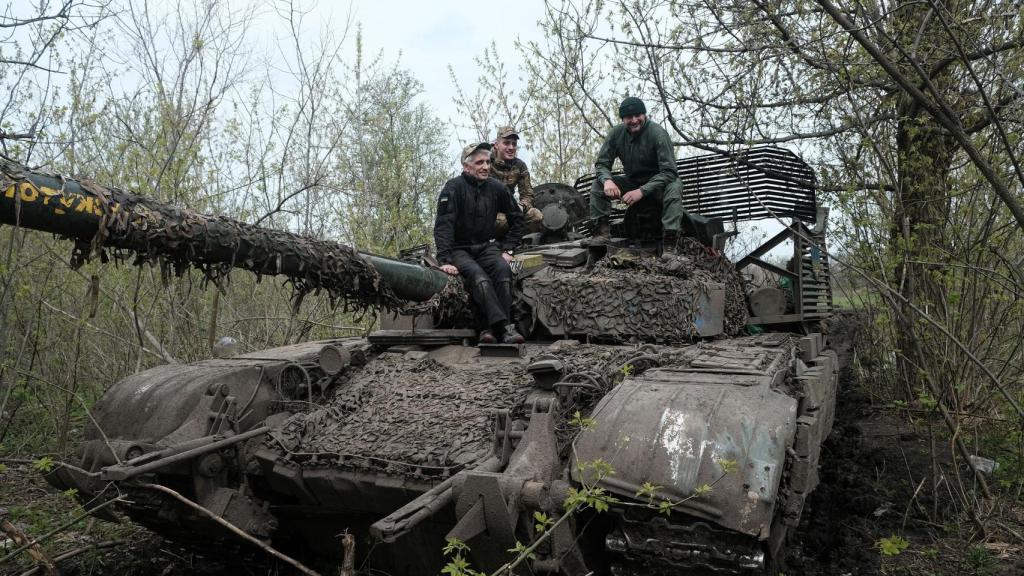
(611, 190)
(508, 257)
(449, 269)
(633, 196)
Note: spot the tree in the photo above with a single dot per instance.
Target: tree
(393, 159)
(31, 38)
(173, 103)
(561, 142)
(908, 110)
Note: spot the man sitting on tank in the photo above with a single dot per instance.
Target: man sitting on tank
(464, 237)
(507, 167)
(649, 163)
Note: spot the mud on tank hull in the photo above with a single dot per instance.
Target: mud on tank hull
(404, 447)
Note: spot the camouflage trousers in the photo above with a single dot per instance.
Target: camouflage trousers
(670, 200)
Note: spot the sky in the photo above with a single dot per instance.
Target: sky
(430, 35)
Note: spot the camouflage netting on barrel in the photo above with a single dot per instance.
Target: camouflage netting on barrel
(415, 418)
(634, 298)
(117, 224)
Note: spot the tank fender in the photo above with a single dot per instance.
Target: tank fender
(674, 429)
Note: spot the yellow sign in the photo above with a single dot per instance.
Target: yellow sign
(62, 200)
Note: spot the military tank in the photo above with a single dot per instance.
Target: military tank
(677, 413)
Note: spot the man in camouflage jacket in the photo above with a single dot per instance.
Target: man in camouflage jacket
(513, 172)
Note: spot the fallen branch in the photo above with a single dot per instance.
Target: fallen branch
(72, 553)
(37, 554)
(60, 528)
(232, 528)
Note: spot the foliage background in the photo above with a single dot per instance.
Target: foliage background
(910, 112)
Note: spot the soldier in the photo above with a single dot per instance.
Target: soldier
(464, 237)
(649, 163)
(513, 172)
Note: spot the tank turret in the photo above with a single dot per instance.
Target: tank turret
(639, 384)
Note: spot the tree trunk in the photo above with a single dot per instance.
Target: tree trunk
(925, 156)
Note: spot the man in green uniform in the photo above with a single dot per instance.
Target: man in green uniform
(513, 172)
(649, 163)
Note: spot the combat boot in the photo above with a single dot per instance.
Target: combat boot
(512, 336)
(672, 262)
(670, 244)
(602, 233)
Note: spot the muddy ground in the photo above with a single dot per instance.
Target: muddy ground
(877, 486)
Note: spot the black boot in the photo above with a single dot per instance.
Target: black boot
(670, 243)
(503, 290)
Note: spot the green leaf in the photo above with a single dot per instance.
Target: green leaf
(454, 545)
(542, 521)
(601, 468)
(520, 550)
(728, 466)
(579, 421)
(573, 499)
(892, 546)
(647, 490)
(43, 464)
(665, 507)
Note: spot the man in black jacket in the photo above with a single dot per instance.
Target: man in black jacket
(464, 237)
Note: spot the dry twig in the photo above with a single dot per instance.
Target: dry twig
(37, 554)
(348, 545)
(72, 553)
(232, 528)
(60, 528)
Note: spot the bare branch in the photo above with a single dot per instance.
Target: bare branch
(232, 528)
(939, 110)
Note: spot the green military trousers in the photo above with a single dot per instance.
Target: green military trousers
(670, 199)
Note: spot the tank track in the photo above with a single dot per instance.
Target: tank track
(661, 546)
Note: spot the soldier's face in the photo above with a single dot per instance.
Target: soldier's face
(478, 165)
(507, 148)
(634, 122)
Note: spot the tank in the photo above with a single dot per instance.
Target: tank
(663, 415)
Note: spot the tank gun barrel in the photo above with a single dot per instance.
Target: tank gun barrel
(98, 217)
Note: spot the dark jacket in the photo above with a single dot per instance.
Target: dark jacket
(647, 157)
(466, 209)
